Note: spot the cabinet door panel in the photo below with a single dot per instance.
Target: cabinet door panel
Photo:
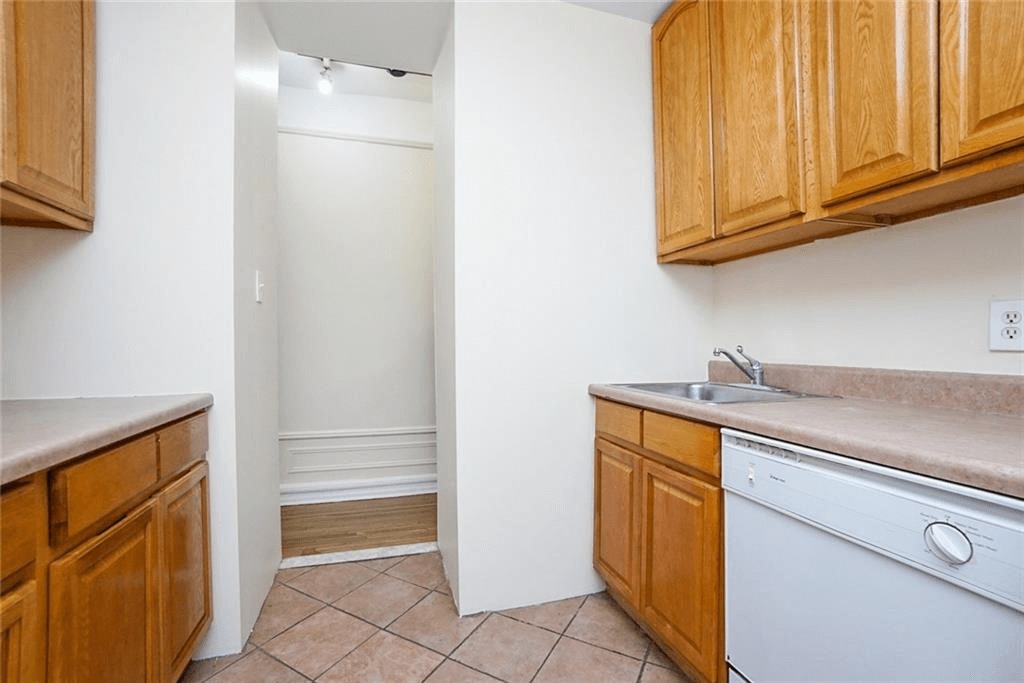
(20, 639)
(982, 77)
(104, 606)
(185, 568)
(49, 102)
(877, 71)
(755, 95)
(682, 127)
(681, 564)
(616, 518)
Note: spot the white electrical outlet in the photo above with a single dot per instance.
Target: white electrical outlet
(1006, 325)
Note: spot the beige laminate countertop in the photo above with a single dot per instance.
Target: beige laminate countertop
(36, 434)
(982, 450)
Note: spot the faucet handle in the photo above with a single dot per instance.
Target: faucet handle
(753, 363)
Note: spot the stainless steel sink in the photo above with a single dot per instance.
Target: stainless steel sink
(710, 392)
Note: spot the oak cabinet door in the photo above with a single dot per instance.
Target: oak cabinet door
(682, 126)
(877, 70)
(756, 101)
(48, 104)
(185, 568)
(616, 519)
(681, 565)
(20, 638)
(982, 75)
(104, 606)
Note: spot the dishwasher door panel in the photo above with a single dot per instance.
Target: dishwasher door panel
(803, 605)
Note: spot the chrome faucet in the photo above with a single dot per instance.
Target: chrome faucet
(755, 371)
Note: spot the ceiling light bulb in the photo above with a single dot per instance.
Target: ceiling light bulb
(324, 84)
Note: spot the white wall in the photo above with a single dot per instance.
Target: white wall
(915, 296)
(144, 304)
(554, 284)
(363, 116)
(444, 309)
(255, 229)
(356, 321)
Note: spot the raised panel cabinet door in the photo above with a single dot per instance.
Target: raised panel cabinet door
(49, 100)
(755, 105)
(681, 560)
(20, 638)
(185, 568)
(877, 70)
(982, 76)
(104, 606)
(617, 518)
(682, 126)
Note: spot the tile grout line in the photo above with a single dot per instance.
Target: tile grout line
(546, 658)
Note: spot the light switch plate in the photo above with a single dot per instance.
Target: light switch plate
(1006, 325)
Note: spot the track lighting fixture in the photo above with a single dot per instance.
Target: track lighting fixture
(325, 76)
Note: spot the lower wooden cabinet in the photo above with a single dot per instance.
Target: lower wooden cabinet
(617, 519)
(681, 594)
(658, 534)
(184, 569)
(106, 573)
(19, 635)
(105, 605)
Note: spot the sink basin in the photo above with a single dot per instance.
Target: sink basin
(710, 392)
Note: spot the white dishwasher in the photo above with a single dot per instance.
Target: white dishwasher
(840, 570)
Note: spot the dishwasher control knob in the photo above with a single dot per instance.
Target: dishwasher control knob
(948, 543)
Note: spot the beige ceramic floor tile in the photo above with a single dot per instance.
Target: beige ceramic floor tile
(554, 616)
(574, 662)
(329, 582)
(423, 570)
(600, 622)
(384, 658)
(201, 669)
(435, 624)
(453, 672)
(381, 600)
(657, 657)
(283, 608)
(657, 674)
(443, 587)
(257, 666)
(505, 648)
(313, 645)
(382, 563)
(286, 575)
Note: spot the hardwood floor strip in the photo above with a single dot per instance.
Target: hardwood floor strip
(358, 524)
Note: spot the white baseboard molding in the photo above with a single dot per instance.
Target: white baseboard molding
(353, 555)
(357, 489)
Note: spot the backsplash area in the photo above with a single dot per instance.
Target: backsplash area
(1001, 394)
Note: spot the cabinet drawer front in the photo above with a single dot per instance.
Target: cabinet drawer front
(19, 523)
(182, 444)
(618, 420)
(85, 492)
(688, 442)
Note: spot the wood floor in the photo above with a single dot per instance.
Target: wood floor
(358, 524)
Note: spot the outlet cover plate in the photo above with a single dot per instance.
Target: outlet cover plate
(1002, 335)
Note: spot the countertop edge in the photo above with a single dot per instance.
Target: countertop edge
(969, 471)
(49, 454)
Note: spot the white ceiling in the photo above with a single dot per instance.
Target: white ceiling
(297, 71)
(397, 34)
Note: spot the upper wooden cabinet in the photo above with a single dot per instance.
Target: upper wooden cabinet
(877, 78)
(682, 126)
(755, 101)
(982, 77)
(826, 117)
(48, 103)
